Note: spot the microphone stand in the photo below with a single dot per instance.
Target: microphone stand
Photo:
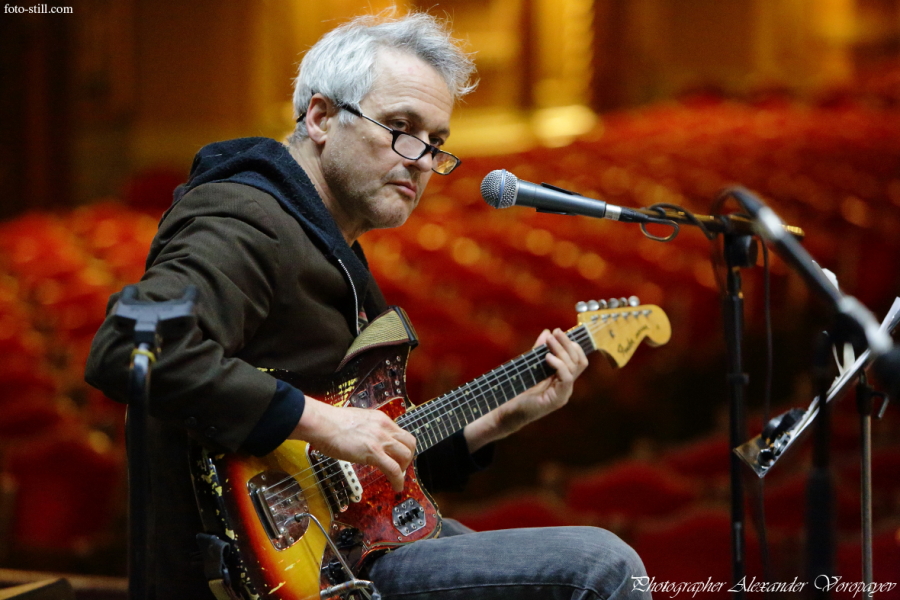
(864, 404)
(738, 233)
(820, 486)
(144, 319)
(740, 253)
(854, 322)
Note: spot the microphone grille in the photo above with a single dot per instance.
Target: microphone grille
(499, 188)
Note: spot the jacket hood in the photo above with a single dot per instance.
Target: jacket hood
(267, 165)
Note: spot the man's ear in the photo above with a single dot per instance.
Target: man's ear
(320, 115)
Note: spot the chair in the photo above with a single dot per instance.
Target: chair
(51, 589)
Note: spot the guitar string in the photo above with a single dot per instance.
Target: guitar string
(374, 474)
(487, 384)
(530, 359)
(430, 407)
(289, 480)
(460, 398)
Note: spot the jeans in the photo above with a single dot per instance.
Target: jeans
(577, 563)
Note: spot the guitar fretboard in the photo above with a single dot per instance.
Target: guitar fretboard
(442, 417)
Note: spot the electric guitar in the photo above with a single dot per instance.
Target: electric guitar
(301, 525)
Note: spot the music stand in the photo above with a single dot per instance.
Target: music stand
(783, 431)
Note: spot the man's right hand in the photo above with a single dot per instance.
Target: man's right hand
(358, 435)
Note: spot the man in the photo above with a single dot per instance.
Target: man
(268, 234)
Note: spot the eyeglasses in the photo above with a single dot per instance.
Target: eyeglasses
(412, 148)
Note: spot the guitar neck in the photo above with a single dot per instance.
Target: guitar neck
(440, 418)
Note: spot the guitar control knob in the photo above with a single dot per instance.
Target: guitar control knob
(581, 307)
(334, 571)
(593, 305)
(613, 303)
(633, 301)
(349, 538)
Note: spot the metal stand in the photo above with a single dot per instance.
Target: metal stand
(820, 488)
(865, 396)
(782, 432)
(144, 318)
(740, 253)
(854, 323)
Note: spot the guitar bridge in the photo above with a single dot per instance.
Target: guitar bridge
(281, 507)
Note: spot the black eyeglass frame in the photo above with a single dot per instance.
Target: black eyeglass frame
(396, 133)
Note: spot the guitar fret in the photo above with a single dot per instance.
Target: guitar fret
(447, 414)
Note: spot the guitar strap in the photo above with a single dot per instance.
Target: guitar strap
(215, 566)
(214, 550)
(390, 328)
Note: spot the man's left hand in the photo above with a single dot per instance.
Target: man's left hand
(568, 359)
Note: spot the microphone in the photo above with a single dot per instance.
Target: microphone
(770, 227)
(502, 189)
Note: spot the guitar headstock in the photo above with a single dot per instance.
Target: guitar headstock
(618, 326)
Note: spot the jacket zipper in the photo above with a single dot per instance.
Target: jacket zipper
(355, 297)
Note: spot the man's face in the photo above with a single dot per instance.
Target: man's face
(373, 186)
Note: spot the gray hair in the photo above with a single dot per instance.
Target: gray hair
(340, 65)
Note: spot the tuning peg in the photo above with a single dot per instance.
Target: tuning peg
(581, 307)
(614, 303)
(633, 301)
(593, 305)
(603, 305)
(623, 302)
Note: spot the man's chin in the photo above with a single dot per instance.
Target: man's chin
(395, 218)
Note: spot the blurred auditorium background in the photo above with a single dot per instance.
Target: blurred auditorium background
(633, 101)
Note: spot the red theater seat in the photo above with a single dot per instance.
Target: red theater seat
(527, 510)
(694, 548)
(708, 459)
(885, 563)
(67, 490)
(631, 490)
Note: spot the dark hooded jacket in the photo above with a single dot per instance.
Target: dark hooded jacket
(278, 287)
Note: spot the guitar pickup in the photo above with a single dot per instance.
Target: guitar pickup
(351, 481)
(337, 480)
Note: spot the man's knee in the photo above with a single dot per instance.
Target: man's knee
(613, 565)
